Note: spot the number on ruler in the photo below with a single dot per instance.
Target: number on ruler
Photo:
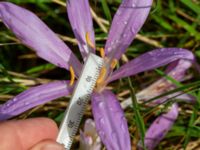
(71, 124)
(89, 79)
(80, 101)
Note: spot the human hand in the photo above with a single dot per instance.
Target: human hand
(29, 134)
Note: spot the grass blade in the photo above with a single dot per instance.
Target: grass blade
(138, 116)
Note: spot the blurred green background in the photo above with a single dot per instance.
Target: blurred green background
(171, 23)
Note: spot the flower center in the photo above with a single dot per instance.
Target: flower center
(105, 73)
(106, 70)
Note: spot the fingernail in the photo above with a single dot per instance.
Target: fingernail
(53, 146)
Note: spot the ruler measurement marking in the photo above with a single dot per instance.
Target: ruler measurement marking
(78, 102)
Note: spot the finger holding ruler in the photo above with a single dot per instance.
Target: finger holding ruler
(80, 97)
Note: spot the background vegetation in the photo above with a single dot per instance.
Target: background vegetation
(172, 23)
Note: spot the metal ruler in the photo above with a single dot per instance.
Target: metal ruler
(81, 95)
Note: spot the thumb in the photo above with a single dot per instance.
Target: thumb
(48, 145)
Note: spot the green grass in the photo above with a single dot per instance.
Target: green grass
(170, 24)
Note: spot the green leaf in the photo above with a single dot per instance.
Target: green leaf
(190, 131)
(40, 68)
(60, 117)
(106, 9)
(186, 26)
(194, 7)
(162, 22)
(138, 116)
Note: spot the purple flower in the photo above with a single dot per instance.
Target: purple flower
(160, 127)
(89, 139)
(109, 118)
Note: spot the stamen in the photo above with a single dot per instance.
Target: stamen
(72, 74)
(113, 63)
(102, 75)
(88, 40)
(102, 52)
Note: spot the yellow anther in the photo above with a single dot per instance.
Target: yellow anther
(102, 52)
(88, 40)
(72, 74)
(102, 75)
(113, 63)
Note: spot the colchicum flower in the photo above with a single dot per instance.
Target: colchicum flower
(89, 139)
(110, 122)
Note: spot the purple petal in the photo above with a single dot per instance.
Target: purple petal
(160, 127)
(33, 97)
(127, 22)
(177, 71)
(81, 21)
(35, 34)
(110, 122)
(151, 60)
